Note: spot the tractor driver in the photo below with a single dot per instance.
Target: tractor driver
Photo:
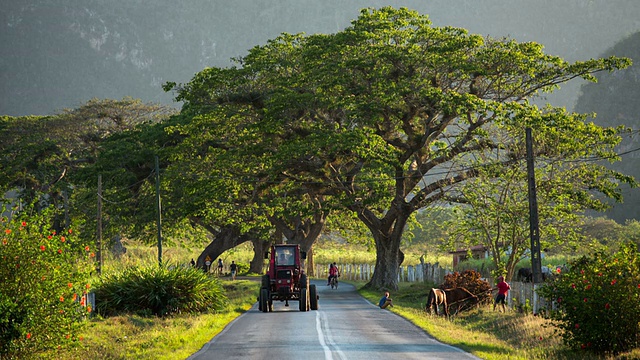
(284, 258)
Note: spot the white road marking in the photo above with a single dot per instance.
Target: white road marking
(326, 340)
(327, 349)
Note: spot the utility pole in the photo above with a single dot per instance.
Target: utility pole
(99, 230)
(159, 210)
(534, 228)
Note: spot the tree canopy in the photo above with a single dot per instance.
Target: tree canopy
(392, 115)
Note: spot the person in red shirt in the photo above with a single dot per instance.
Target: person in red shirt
(503, 289)
(333, 273)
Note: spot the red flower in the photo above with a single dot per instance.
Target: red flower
(614, 281)
(70, 285)
(558, 270)
(61, 299)
(42, 247)
(70, 231)
(4, 241)
(577, 326)
(573, 286)
(585, 300)
(88, 308)
(86, 248)
(607, 306)
(49, 237)
(28, 336)
(59, 251)
(87, 286)
(92, 255)
(540, 338)
(63, 239)
(75, 297)
(582, 272)
(24, 223)
(588, 287)
(7, 231)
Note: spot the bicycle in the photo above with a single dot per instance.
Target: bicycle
(334, 282)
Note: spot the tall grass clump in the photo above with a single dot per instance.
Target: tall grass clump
(158, 290)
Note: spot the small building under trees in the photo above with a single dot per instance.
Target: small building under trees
(476, 251)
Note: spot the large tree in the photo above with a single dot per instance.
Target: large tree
(388, 116)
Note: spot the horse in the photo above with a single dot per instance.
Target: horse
(459, 295)
(526, 275)
(436, 298)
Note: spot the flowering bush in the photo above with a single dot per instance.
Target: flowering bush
(598, 301)
(43, 276)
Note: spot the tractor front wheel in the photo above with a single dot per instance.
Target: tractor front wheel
(313, 297)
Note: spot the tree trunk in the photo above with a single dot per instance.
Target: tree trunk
(310, 263)
(259, 248)
(225, 239)
(387, 233)
(302, 232)
(385, 274)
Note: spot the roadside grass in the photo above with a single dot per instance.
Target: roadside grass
(487, 334)
(483, 332)
(176, 337)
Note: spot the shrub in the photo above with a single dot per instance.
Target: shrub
(158, 290)
(598, 300)
(43, 276)
(470, 280)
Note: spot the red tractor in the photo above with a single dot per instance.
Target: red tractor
(285, 280)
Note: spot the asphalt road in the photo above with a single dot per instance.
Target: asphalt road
(346, 327)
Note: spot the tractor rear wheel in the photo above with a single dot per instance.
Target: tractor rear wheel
(313, 297)
(304, 299)
(303, 282)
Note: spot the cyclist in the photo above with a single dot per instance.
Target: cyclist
(333, 273)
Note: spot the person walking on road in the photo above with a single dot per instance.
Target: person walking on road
(385, 301)
(234, 269)
(220, 265)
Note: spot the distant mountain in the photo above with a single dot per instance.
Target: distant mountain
(615, 101)
(59, 53)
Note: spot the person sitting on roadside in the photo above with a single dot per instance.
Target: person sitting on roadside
(385, 301)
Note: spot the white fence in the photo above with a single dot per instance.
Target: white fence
(521, 293)
(411, 273)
